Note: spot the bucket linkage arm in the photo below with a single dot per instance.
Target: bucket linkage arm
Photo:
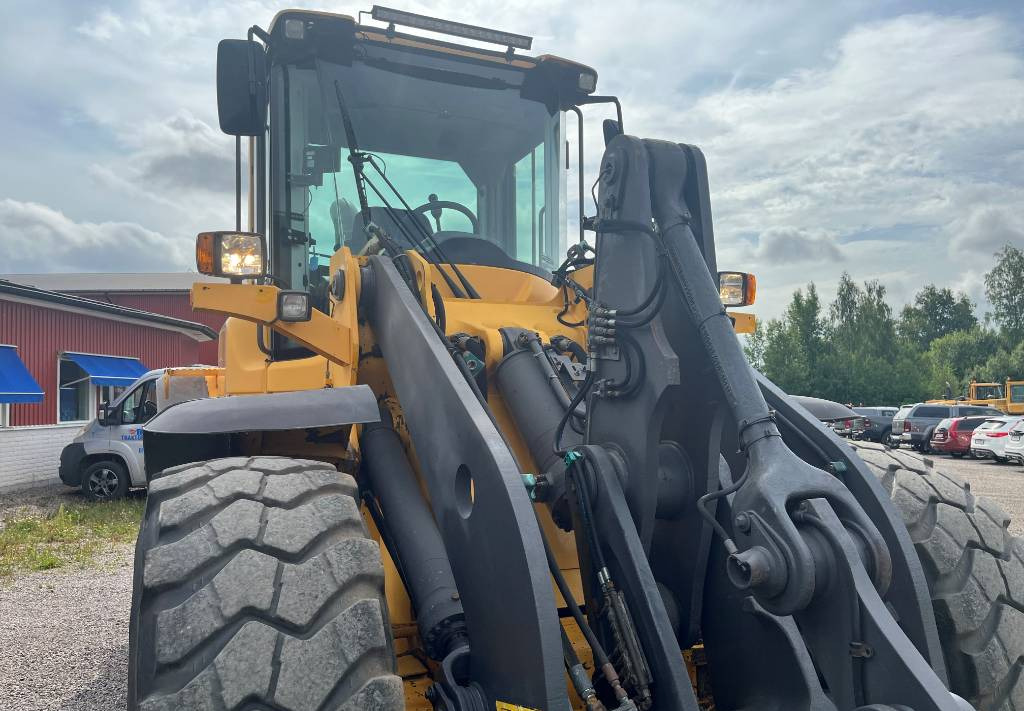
(708, 521)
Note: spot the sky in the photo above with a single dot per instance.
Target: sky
(884, 138)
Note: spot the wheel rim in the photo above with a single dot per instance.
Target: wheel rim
(103, 483)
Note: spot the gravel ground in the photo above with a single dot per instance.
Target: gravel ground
(64, 632)
(64, 636)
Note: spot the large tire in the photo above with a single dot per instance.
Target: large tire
(975, 573)
(256, 587)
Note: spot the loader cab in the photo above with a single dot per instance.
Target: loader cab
(465, 146)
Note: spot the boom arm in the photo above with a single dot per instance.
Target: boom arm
(797, 566)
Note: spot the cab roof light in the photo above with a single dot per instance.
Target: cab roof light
(447, 27)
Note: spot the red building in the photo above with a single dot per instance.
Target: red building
(159, 293)
(62, 354)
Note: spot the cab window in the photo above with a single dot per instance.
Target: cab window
(140, 405)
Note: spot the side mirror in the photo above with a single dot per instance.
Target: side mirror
(241, 87)
(102, 414)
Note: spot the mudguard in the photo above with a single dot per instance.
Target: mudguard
(196, 430)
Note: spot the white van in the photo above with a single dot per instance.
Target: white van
(106, 457)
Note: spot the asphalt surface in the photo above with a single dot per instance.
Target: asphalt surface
(1003, 483)
(64, 633)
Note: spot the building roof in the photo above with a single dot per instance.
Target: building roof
(112, 281)
(11, 291)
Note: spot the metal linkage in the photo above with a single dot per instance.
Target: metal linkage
(836, 567)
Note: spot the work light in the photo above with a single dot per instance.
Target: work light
(447, 27)
(736, 288)
(293, 306)
(237, 255)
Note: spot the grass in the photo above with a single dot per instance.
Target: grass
(73, 534)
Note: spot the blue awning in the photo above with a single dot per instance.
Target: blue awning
(108, 370)
(16, 383)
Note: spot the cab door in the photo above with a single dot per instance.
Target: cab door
(132, 412)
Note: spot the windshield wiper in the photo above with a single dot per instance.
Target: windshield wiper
(358, 158)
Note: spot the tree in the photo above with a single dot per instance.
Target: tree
(957, 355)
(794, 346)
(1003, 365)
(934, 313)
(1004, 288)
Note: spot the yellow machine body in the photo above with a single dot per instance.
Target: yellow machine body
(345, 355)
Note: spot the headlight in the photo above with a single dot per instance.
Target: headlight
(736, 288)
(231, 254)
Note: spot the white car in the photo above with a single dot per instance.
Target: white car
(1014, 449)
(990, 437)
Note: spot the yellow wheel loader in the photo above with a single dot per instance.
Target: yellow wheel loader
(466, 461)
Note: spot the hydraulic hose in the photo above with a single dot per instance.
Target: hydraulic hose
(533, 343)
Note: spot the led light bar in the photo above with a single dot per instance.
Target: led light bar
(447, 27)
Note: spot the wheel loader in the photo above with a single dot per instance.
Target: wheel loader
(471, 459)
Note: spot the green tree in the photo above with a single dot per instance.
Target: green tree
(1004, 288)
(867, 364)
(794, 346)
(934, 313)
(1005, 364)
(956, 355)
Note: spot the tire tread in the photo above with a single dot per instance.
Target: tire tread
(258, 586)
(975, 572)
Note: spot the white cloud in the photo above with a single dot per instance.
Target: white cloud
(986, 230)
(818, 123)
(36, 238)
(103, 26)
(781, 245)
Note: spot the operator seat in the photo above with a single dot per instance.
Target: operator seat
(382, 219)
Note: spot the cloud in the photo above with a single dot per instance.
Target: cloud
(103, 26)
(780, 245)
(36, 238)
(819, 120)
(184, 152)
(985, 230)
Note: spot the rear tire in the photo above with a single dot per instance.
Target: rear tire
(256, 586)
(975, 573)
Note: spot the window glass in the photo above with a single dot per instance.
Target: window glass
(530, 209)
(1017, 393)
(987, 392)
(74, 393)
(108, 393)
(976, 411)
(932, 412)
(133, 407)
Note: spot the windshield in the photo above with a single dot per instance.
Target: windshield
(988, 392)
(477, 164)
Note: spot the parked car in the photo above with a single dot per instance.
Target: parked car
(990, 437)
(851, 427)
(106, 457)
(1014, 449)
(915, 425)
(953, 435)
(876, 425)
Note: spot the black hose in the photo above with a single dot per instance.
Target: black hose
(576, 400)
(439, 311)
(537, 348)
(657, 291)
(600, 656)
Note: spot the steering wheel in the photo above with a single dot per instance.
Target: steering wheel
(435, 206)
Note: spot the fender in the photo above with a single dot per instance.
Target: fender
(197, 430)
